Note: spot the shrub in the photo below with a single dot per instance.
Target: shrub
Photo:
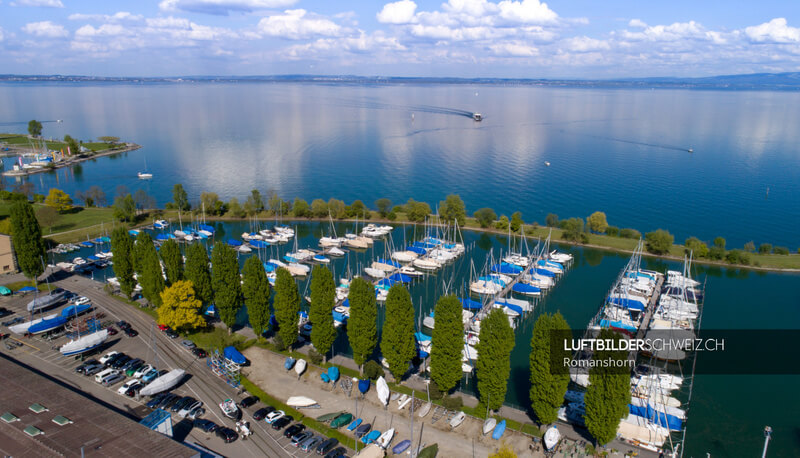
(392, 216)
(716, 252)
(485, 216)
(720, 242)
(698, 247)
(453, 402)
(315, 357)
(780, 250)
(584, 238)
(278, 342)
(738, 257)
(750, 247)
(435, 392)
(613, 231)
(573, 228)
(373, 370)
(628, 233)
(765, 248)
(551, 220)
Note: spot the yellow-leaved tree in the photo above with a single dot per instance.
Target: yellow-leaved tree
(505, 451)
(180, 309)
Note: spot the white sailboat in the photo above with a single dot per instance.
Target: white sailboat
(145, 175)
(382, 389)
(163, 383)
(85, 343)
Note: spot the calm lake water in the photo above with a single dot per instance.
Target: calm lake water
(620, 151)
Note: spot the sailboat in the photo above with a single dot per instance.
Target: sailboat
(83, 344)
(145, 175)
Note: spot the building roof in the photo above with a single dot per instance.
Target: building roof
(69, 420)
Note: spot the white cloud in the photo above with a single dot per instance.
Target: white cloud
(401, 12)
(297, 25)
(105, 30)
(2, 35)
(116, 17)
(222, 7)
(672, 32)
(39, 3)
(45, 29)
(527, 12)
(513, 49)
(586, 44)
(774, 31)
(637, 23)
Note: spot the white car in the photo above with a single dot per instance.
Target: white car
(185, 411)
(107, 356)
(82, 300)
(142, 370)
(274, 416)
(129, 384)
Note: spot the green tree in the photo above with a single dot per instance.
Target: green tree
(122, 247)
(300, 209)
(226, 283)
(573, 228)
(196, 271)
(143, 200)
(494, 358)
(108, 139)
(287, 307)
(149, 269)
(323, 299)
(659, 241)
(47, 217)
(750, 247)
(551, 220)
(180, 198)
(720, 242)
(124, 208)
(234, 209)
(417, 211)
(256, 294)
(485, 216)
(319, 208)
(397, 340)
(547, 384)
(597, 222)
(211, 203)
(362, 327)
(58, 199)
(97, 195)
(612, 231)
(72, 144)
(34, 128)
(173, 261)
(180, 309)
(384, 206)
(336, 208)
(628, 233)
(26, 235)
(765, 248)
(255, 201)
(452, 209)
(516, 221)
(357, 210)
(502, 223)
(448, 342)
(697, 247)
(608, 394)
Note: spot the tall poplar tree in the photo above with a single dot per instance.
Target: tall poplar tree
(226, 283)
(448, 342)
(493, 366)
(323, 299)
(122, 247)
(26, 236)
(256, 294)
(287, 306)
(197, 271)
(173, 261)
(397, 340)
(609, 393)
(149, 268)
(362, 326)
(548, 385)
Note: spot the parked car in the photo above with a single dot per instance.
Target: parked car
(135, 362)
(163, 327)
(262, 413)
(199, 352)
(123, 324)
(337, 452)
(104, 359)
(130, 332)
(281, 422)
(13, 321)
(80, 369)
(128, 384)
(326, 446)
(153, 403)
(142, 370)
(196, 413)
(134, 390)
(120, 362)
(104, 373)
(248, 401)
(309, 443)
(91, 370)
(300, 437)
(171, 334)
(82, 300)
(226, 434)
(150, 375)
(112, 331)
(183, 402)
(293, 430)
(272, 416)
(113, 379)
(205, 425)
(4, 312)
(188, 344)
(168, 400)
(189, 407)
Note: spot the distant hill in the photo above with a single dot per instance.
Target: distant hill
(753, 81)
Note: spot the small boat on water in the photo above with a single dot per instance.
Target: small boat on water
(230, 409)
(163, 383)
(499, 430)
(456, 421)
(83, 344)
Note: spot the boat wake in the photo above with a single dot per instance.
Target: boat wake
(377, 105)
(634, 142)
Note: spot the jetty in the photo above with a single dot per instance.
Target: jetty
(18, 171)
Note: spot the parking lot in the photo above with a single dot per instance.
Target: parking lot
(157, 349)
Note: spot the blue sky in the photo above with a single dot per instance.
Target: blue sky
(467, 38)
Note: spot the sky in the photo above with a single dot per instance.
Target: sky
(586, 39)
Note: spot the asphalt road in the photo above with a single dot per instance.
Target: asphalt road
(155, 348)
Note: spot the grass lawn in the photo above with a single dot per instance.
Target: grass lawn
(57, 145)
(15, 286)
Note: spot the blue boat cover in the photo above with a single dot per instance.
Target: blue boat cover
(133, 232)
(499, 430)
(26, 289)
(545, 272)
(259, 244)
(233, 242)
(211, 310)
(340, 317)
(352, 426)
(471, 304)
(86, 244)
(506, 268)
(163, 236)
(390, 262)
(492, 279)
(525, 288)
(289, 363)
(270, 267)
(424, 245)
(401, 447)
(232, 354)
(421, 337)
(206, 227)
(631, 304)
(661, 418)
(387, 282)
(400, 277)
(416, 249)
(616, 324)
(92, 258)
(513, 307)
(324, 377)
(333, 373)
(72, 310)
(46, 325)
(363, 386)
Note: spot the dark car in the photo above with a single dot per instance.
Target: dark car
(4, 312)
(130, 332)
(13, 321)
(121, 361)
(327, 446)
(86, 364)
(91, 370)
(281, 422)
(262, 413)
(183, 402)
(205, 425)
(299, 438)
(336, 453)
(134, 390)
(112, 331)
(170, 402)
(199, 352)
(153, 403)
(114, 359)
(135, 362)
(171, 334)
(123, 324)
(248, 401)
(294, 430)
(227, 434)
